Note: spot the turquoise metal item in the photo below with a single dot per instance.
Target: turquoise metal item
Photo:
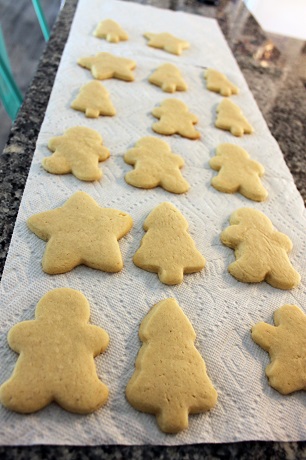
(10, 94)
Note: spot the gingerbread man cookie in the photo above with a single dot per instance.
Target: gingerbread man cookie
(175, 118)
(56, 357)
(94, 100)
(217, 82)
(111, 31)
(79, 152)
(155, 165)
(261, 251)
(81, 232)
(106, 65)
(237, 172)
(231, 118)
(169, 78)
(167, 42)
(170, 379)
(167, 248)
(286, 344)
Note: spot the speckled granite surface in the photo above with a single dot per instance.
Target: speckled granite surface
(278, 82)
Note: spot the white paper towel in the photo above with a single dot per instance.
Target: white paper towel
(221, 309)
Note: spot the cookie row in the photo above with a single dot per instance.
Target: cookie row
(81, 232)
(62, 369)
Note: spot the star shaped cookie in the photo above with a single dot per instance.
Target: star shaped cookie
(166, 42)
(106, 65)
(169, 78)
(78, 151)
(111, 31)
(81, 232)
(286, 344)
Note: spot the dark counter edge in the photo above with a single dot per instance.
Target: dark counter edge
(13, 175)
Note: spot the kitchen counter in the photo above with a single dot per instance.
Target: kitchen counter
(277, 81)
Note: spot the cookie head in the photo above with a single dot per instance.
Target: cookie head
(63, 303)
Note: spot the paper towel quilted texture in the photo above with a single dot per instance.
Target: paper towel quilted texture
(221, 309)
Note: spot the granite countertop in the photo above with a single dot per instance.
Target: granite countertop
(277, 80)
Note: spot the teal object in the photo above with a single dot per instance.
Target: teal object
(10, 94)
(41, 19)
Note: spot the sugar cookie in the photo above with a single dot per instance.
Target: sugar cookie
(219, 83)
(170, 380)
(111, 31)
(261, 251)
(167, 42)
(231, 118)
(237, 172)
(94, 100)
(169, 78)
(175, 118)
(81, 232)
(56, 357)
(167, 248)
(155, 165)
(106, 65)
(78, 151)
(286, 345)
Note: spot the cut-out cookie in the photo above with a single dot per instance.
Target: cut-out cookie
(286, 344)
(81, 232)
(167, 248)
(237, 172)
(111, 31)
(231, 118)
(78, 151)
(261, 251)
(175, 118)
(155, 165)
(106, 65)
(167, 42)
(169, 78)
(56, 357)
(94, 100)
(170, 380)
(219, 83)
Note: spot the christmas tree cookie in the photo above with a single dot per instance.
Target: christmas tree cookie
(175, 118)
(56, 357)
(231, 118)
(169, 78)
(167, 248)
(155, 165)
(286, 344)
(166, 42)
(217, 82)
(170, 380)
(237, 172)
(106, 65)
(81, 232)
(94, 100)
(111, 31)
(78, 151)
(261, 251)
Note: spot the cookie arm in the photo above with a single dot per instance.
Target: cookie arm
(97, 339)
(264, 335)
(132, 156)
(20, 335)
(86, 62)
(216, 162)
(257, 167)
(179, 161)
(283, 240)
(231, 236)
(157, 112)
(54, 143)
(103, 153)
